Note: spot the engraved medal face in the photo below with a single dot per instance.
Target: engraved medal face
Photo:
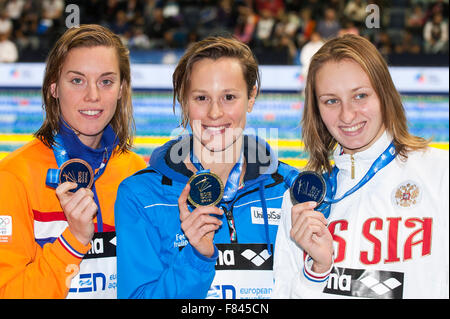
(308, 186)
(77, 171)
(206, 189)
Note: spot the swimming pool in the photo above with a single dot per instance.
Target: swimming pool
(276, 117)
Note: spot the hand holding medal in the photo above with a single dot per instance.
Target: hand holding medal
(199, 226)
(309, 229)
(77, 199)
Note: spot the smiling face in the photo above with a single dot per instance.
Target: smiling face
(88, 90)
(217, 102)
(348, 105)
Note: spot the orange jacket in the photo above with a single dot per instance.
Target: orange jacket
(28, 270)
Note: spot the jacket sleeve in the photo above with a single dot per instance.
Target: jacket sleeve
(292, 271)
(26, 269)
(141, 273)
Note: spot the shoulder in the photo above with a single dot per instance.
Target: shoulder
(130, 158)
(430, 158)
(34, 153)
(284, 169)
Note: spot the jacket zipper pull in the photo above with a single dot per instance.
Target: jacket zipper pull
(353, 166)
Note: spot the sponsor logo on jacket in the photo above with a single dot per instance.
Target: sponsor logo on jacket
(365, 283)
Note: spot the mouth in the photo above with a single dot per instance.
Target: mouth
(216, 129)
(353, 129)
(91, 113)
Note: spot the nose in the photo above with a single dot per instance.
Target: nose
(92, 94)
(215, 110)
(348, 112)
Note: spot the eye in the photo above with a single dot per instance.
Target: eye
(200, 98)
(331, 101)
(361, 96)
(106, 82)
(77, 81)
(229, 97)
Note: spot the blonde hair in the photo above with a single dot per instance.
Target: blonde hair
(212, 48)
(319, 143)
(89, 35)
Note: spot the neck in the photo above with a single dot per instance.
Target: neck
(220, 163)
(90, 141)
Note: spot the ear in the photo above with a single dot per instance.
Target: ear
(251, 100)
(53, 90)
(120, 91)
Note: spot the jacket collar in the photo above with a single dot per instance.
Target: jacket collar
(76, 149)
(169, 159)
(362, 160)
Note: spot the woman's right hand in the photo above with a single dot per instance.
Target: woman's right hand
(198, 226)
(80, 210)
(309, 230)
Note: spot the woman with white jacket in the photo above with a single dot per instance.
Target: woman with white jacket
(382, 231)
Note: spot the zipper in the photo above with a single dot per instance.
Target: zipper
(231, 223)
(353, 166)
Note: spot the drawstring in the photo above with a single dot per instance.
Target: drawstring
(265, 216)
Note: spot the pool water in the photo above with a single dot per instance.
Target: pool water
(275, 116)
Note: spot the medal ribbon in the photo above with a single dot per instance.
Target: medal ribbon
(229, 192)
(62, 156)
(232, 185)
(331, 179)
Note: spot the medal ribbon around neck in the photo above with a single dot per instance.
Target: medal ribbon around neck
(61, 156)
(232, 185)
(331, 179)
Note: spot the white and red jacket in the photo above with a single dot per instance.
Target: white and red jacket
(391, 237)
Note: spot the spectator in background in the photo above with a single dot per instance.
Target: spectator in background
(415, 20)
(52, 9)
(307, 26)
(120, 26)
(435, 34)
(264, 30)
(408, 44)
(383, 43)
(308, 50)
(329, 26)
(158, 28)
(25, 35)
(111, 9)
(288, 24)
(14, 10)
(246, 22)
(437, 6)
(6, 25)
(348, 28)
(355, 11)
(133, 10)
(139, 40)
(273, 6)
(8, 50)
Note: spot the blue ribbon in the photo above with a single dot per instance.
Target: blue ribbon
(331, 179)
(232, 184)
(61, 153)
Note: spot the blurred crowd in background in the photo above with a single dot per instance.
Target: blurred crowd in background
(276, 30)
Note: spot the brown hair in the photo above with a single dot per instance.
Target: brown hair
(213, 48)
(319, 143)
(89, 35)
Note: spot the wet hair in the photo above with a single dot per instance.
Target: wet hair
(213, 48)
(89, 35)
